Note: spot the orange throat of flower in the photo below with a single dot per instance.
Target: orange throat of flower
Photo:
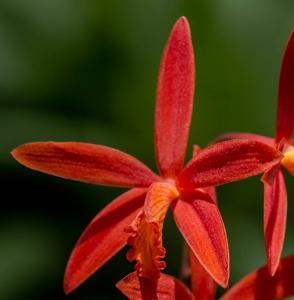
(288, 160)
(146, 230)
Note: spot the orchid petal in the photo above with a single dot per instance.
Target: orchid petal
(103, 238)
(227, 162)
(85, 162)
(202, 227)
(275, 215)
(262, 286)
(285, 113)
(174, 100)
(245, 136)
(203, 286)
(164, 288)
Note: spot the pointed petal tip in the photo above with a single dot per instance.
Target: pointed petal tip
(272, 268)
(182, 21)
(15, 153)
(182, 24)
(225, 282)
(183, 18)
(69, 282)
(272, 264)
(67, 289)
(19, 155)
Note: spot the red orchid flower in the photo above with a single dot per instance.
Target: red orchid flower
(136, 217)
(275, 193)
(258, 285)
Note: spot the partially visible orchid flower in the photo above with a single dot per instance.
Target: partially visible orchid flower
(258, 285)
(275, 193)
(136, 217)
(262, 286)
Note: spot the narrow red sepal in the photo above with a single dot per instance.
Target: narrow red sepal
(85, 162)
(203, 286)
(202, 227)
(174, 103)
(164, 288)
(103, 238)
(227, 162)
(275, 215)
(259, 285)
(285, 113)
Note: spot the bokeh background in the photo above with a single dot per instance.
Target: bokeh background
(73, 70)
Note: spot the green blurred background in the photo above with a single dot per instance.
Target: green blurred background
(73, 70)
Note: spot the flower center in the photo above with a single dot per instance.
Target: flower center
(146, 230)
(288, 160)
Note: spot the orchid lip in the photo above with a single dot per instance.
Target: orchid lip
(145, 231)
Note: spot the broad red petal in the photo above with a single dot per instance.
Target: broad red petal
(259, 285)
(203, 286)
(226, 162)
(103, 238)
(85, 162)
(246, 136)
(165, 288)
(202, 227)
(285, 114)
(275, 215)
(174, 100)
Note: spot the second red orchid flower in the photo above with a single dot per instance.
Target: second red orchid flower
(136, 217)
(275, 193)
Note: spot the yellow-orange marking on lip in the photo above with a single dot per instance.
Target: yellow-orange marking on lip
(146, 230)
(288, 160)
